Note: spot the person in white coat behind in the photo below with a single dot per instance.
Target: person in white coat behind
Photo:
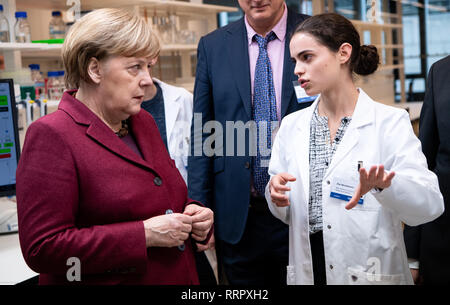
(346, 171)
(171, 108)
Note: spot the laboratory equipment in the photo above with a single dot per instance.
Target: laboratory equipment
(4, 27)
(9, 154)
(22, 28)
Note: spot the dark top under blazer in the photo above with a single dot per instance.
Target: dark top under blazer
(82, 192)
(222, 93)
(430, 243)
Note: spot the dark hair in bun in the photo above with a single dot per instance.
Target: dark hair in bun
(368, 60)
(332, 30)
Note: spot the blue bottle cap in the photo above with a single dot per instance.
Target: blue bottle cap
(60, 73)
(1, 8)
(21, 14)
(52, 74)
(56, 13)
(34, 67)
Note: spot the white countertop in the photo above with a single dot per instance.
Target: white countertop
(13, 268)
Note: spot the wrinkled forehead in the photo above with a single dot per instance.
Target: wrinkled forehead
(118, 61)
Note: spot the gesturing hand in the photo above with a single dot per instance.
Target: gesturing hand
(202, 220)
(376, 177)
(277, 187)
(167, 230)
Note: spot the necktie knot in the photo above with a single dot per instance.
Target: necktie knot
(264, 41)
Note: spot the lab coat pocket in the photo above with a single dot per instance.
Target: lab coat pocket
(358, 277)
(290, 275)
(370, 204)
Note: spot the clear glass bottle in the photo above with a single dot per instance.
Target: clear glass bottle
(62, 86)
(22, 28)
(4, 27)
(53, 85)
(39, 81)
(57, 27)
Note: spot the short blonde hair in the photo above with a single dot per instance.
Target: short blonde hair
(103, 33)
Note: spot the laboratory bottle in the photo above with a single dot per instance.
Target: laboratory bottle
(53, 85)
(57, 27)
(62, 86)
(22, 28)
(38, 80)
(4, 26)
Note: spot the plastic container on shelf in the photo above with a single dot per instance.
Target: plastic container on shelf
(62, 83)
(55, 88)
(21, 77)
(4, 27)
(39, 81)
(57, 27)
(22, 28)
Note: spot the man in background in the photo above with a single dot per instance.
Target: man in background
(428, 245)
(171, 108)
(244, 73)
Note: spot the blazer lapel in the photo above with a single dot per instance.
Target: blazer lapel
(102, 134)
(288, 67)
(147, 137)
(237, 45)
(97, 130)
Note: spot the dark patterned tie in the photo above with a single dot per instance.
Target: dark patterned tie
(264, 112)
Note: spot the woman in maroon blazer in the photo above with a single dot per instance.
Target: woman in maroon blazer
(96, 188)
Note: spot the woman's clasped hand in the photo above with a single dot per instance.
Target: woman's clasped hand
(172, 230)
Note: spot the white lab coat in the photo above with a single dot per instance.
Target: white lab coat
(178, 108)
(178, 105)
(363, 245)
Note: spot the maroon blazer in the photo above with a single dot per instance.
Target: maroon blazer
(82, 192)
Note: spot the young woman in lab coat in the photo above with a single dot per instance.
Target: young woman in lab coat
(346, 171)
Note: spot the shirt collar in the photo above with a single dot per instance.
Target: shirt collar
(279, 29)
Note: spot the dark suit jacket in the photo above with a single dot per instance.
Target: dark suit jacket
(82, 192)
(222, 93)
(430, 243)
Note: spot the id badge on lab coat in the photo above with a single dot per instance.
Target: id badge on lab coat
(301, 95)
(344, 189)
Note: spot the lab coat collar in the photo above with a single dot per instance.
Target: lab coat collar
(363, 115)
(364, 112)
(172, 97)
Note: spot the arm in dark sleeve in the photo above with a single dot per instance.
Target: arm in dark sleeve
(412, 241)
(429, 138)
(47, 204)
(428, 132)
(200, 177)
